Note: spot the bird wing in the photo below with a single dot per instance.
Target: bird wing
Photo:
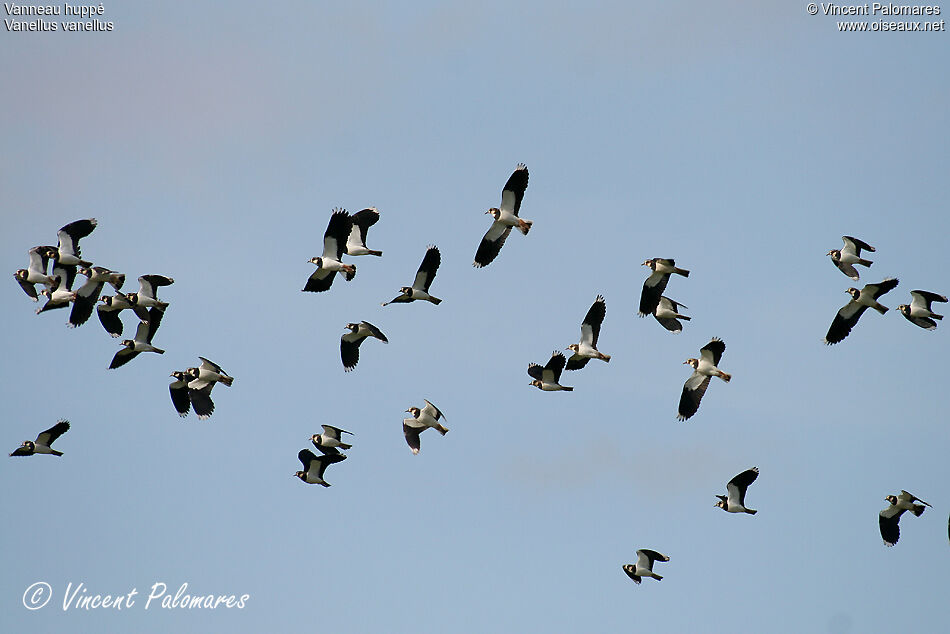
(109, 320)
(376, 332)
(334, 239)
(880, 288)
(854, 245)
(179, 393)
(535, 371)
(148, 284)
(491, 244)
(86, 298)
(646, 557)
(888, 521)
(201, 400)
(693, 391)
(362, 221)
(738, 485)
(39, 259)
(590, 328)
(306, 457)
(911, 498)
(671, 324)
(319, 281)
(70, 235)
(47, 437)
(122, 357)
(712, 351)
(513, 191)
(576, 362)
(653, 289)
(28, 288)
(350, 350)
(552, 369)
(847, 269)
(922, 299)
(412, 435)
(432, 410)
(631, 571)
(844, 321)
(430, 264)
(207, 364)
(141, 331)
(65, 273)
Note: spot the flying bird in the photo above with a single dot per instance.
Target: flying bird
(142, 342)
(209, 373)
(36, 272)
(147, 296)
(655, 284)
(185, 395)
(849, 255)
(67, 251)
(590, 331)
(736, 488)
(422, 419)
(546, 378)
(350, 342)
(334, 246)
(60, 294)
(506, 217)
(111, 307)
(329, 441)
(850, 313)
(424, 277)
(919, 311)
(704, 369)
(667, 314)
(314, 466)
(889, 517)
(88, 294)
(43, 441)
(644, 565)
(362, 221)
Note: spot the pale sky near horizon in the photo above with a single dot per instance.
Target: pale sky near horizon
(741, 138)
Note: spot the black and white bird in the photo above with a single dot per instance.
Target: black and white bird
(850, 313)
(919, 311)
(735, 502)
(314, 466)
(362, 221)
(111, 307)
(209, 373)
(182, 395)
(849, 255)
(506, 217)
(142, 341)
(590, 331)
(546, 378)
(147, 296)
(644, 565)
(43, 441)
(334, 246)
(424, 277)
(88, 294)
(655, 284)
(422, 419)
(350, 342)
(704, 369)
(68, 253)
(60, 294)
(667, 314)
(889, 517)
(329, 441)
(36, 272)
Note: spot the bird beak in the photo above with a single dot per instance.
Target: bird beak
(685, 362)
(488, 212)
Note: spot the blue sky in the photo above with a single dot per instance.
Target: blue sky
(742, 139)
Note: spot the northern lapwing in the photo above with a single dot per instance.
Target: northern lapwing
(210, 372)
(424, 277)
(920, 312)
(88, 294)
(889, 517)
(667, 313)
(850, 254)
(422, 419)
(850, 313)
(334, 246)
(36, 272)
(350, 342)
(506, 217)
(329, 441)
(314, 466)
(111, 307)
(655, 284)
(590, 331)
(142, 341)
(704, 369)
(546, 378)
(644, 565)
(67, 251)
(356, 241)
(147, 296)
(43, 441)
(60, 294)
(736, 488)
(184, 394)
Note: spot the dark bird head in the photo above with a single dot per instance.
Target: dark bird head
(651, 263)
(892, 499)
(692, 362)
(536, 383)
(853, 292)
(495, 213)
(904, 309)
(128, 343)
(406, 290)
(106, 300)
(415, 411)
(28, 444)
(317, 261)
(21, 274)
(301, 475)
(316, 439)
(132, 299)
(835, 254)
(352, 327)
(85, 270)
(722, 502)
(574, 347)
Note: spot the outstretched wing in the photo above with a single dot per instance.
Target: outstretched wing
(430, 264)
(513, 192)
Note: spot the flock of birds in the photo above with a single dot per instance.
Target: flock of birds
(346, 235)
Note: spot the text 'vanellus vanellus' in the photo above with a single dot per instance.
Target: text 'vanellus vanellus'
(590, 332)
(850, 254)
(547, 378)
(350, 342)
(142, 341)
(655, 284)
(644, 565)
(362, 221)
(506, 217)
(704, 369)
(43, 441)
(334, 246)
(314, 466)
(889, 517)
(920, 312)
(849, 314)
(329, 442)
(422, 419)
(667, 314)
(736, 488)
(424, 277)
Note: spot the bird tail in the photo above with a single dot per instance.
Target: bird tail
(376, 253)
(936, 316)
(442, 429)
(866, 263)
(434, 300)
(524, 226)
(567, 389)
(118, 281)
(751, 511)
(682, 272)
(683, 317)
(655, 576)
(349, 273)
(227, 380)
(725, 377)
(918, 510)
(880, 308)
(158, 350)
(345, 446)
(60, 453)
(605, 357)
